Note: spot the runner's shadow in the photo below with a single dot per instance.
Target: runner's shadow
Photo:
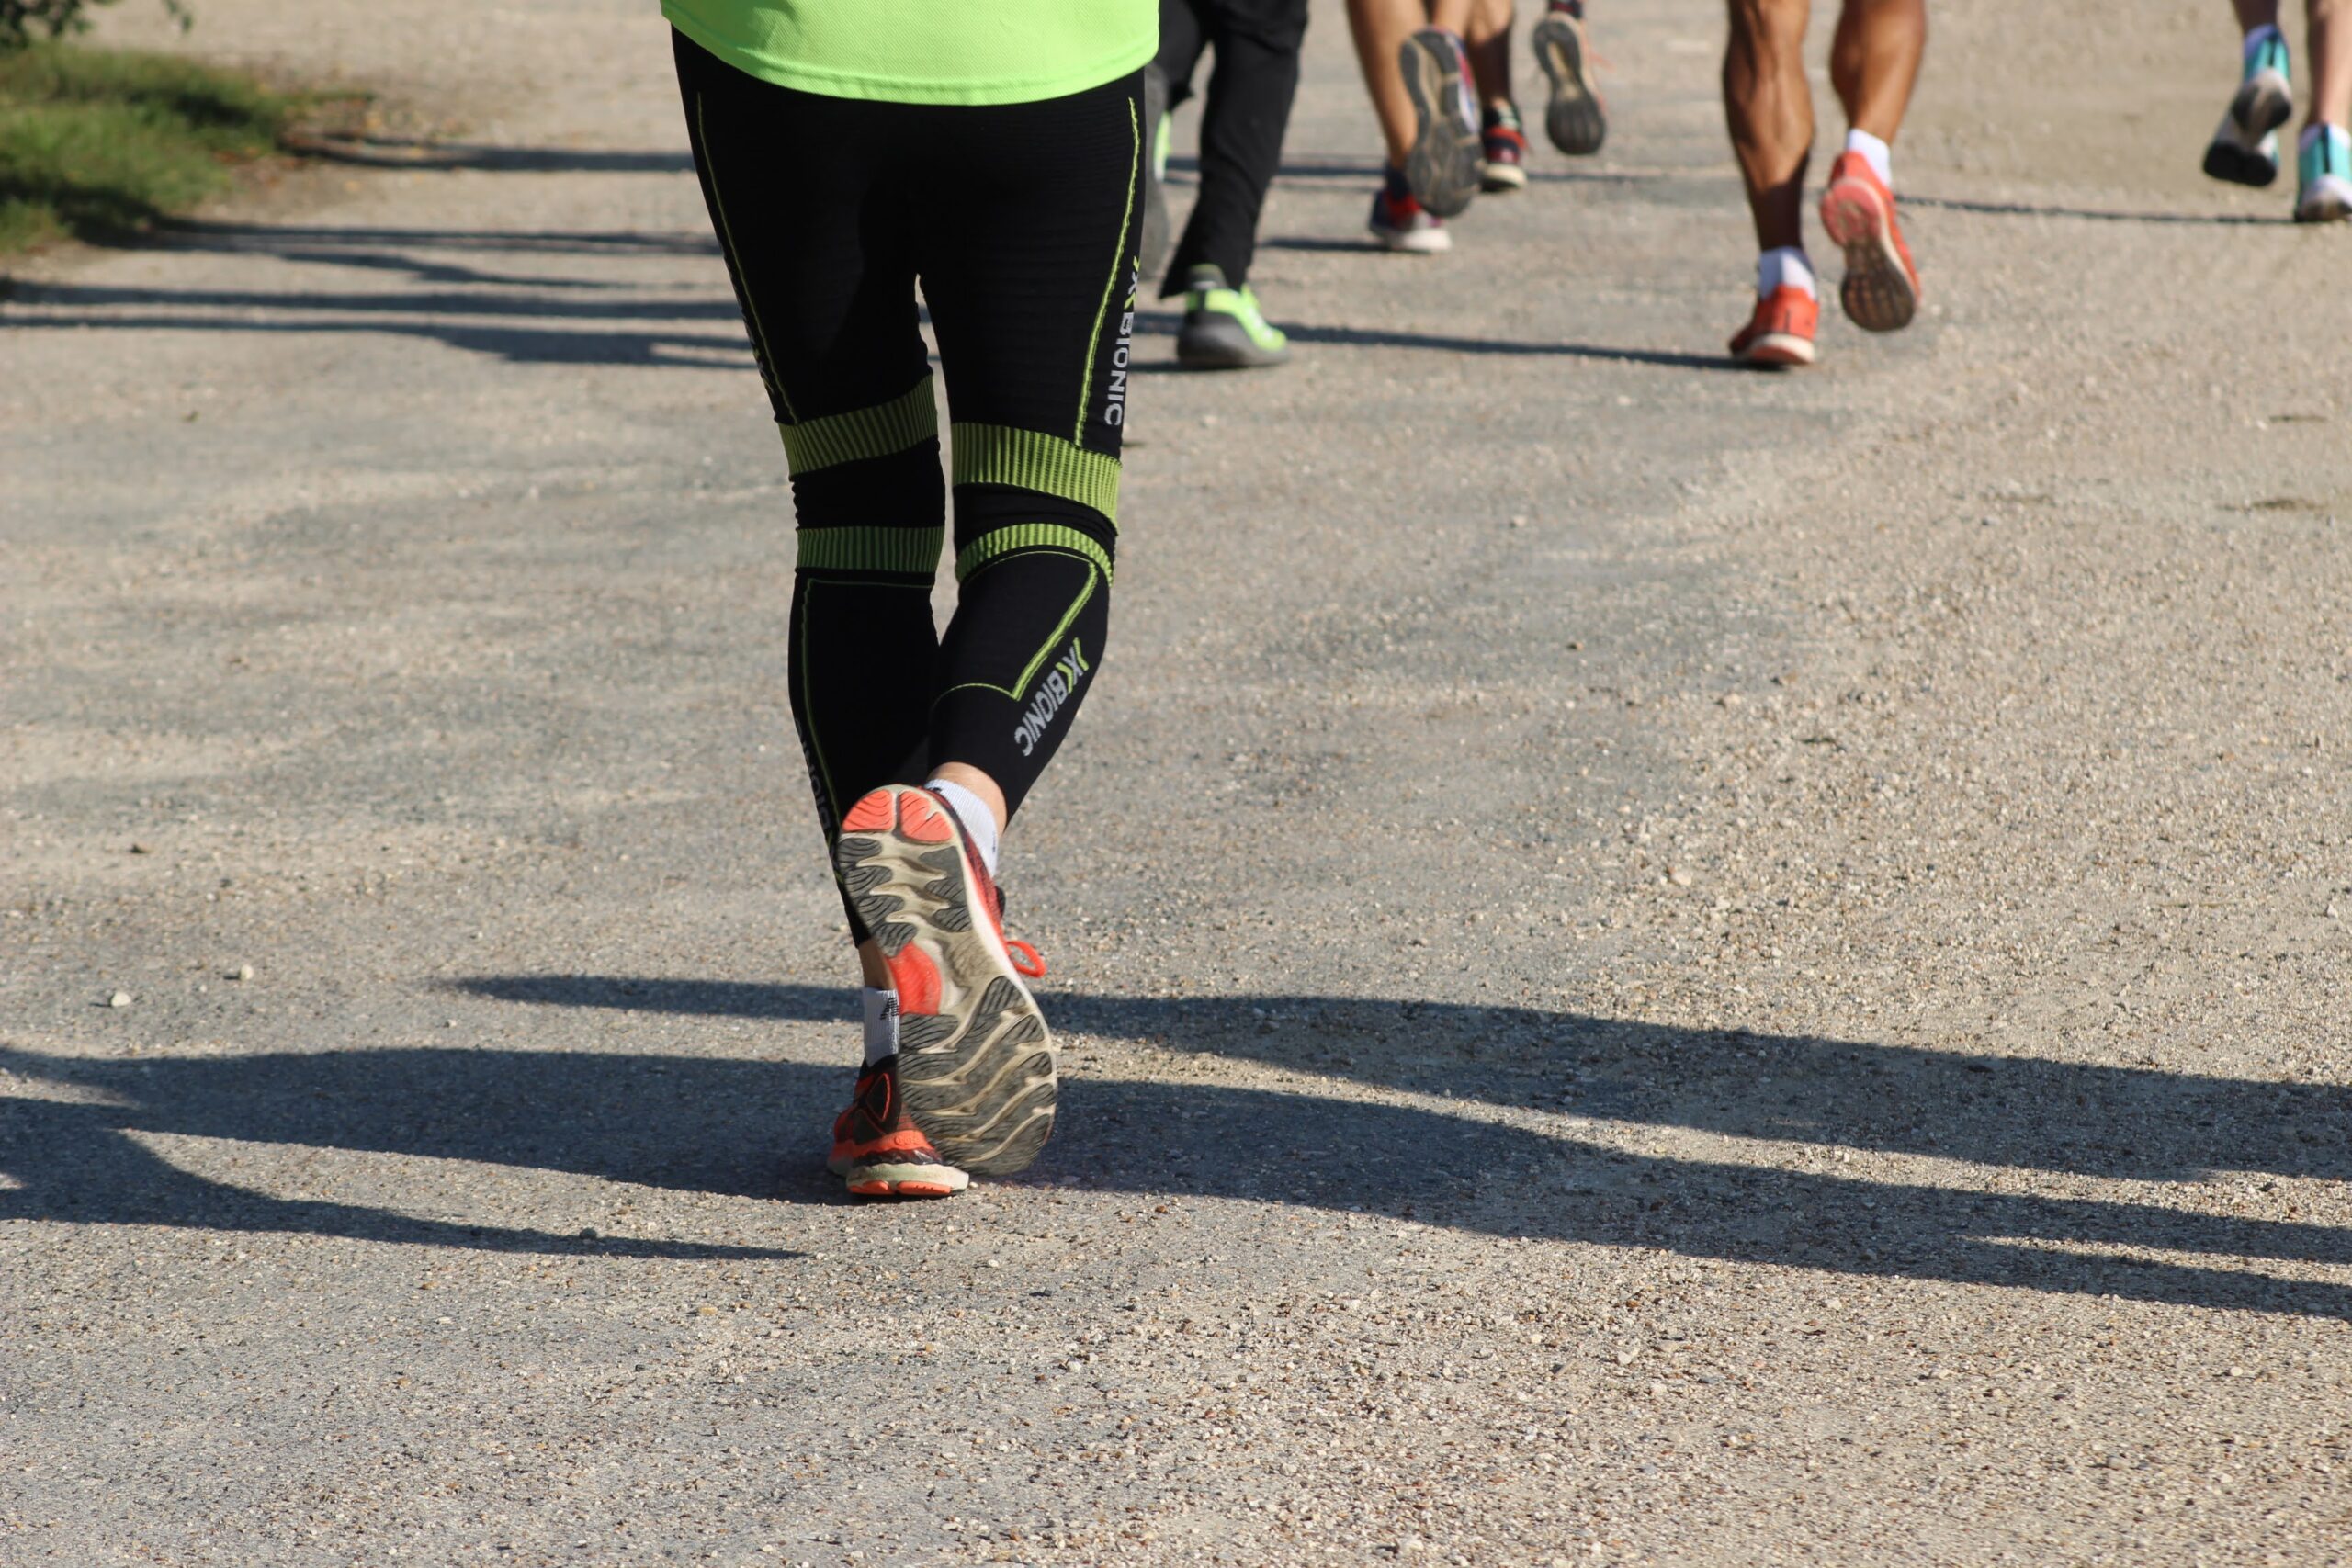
(1170, 322)
(712, 1124)
(2093, 214)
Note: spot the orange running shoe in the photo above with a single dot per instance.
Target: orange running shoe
(1781, 333)
(975, 1063)
(880, 1152)
(1881, 289)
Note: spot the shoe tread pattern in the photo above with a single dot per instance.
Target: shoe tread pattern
(1447, 163)
(978, 1075)
(1574, 118)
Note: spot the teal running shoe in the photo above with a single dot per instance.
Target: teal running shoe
(2245, 149)
(2324, 171)
(1222, 330)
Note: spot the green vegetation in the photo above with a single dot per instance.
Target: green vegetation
(97, 144)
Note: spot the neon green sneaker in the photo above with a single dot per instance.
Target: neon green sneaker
(1222, 330)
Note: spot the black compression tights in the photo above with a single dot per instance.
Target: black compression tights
(1020, 222)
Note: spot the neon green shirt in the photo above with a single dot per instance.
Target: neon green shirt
(926, 51)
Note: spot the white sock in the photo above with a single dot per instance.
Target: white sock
(1876, 153)
(881, 1023)
(2314, 132)
(1785, 266)
(2266, 33)
(978, 824)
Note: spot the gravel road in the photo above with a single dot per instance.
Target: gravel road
(1658, 965)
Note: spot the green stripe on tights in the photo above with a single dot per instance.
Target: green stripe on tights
(871, 549)
(1030, 537)
(1030, 459)
(909, 420)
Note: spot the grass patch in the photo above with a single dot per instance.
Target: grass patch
(98, 144)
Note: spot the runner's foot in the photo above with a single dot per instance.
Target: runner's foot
(1505, 146)
(1400, 224)
(976, 1064)
(1444, 168)
(1575, 119)
(1222, 330)
(1881, 292)
(1781, 331)
(2323, 166)
(877, 1148)
(2245, 149)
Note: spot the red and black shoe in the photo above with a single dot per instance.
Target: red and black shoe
(1505, 146)
(976, 1064)
(879, 1151)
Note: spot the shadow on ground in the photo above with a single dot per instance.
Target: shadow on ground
(714, 1125)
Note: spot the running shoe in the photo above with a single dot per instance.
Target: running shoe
(1222, 330)
(2323, 193)
(976, 1064)
(2245, 149)
(1400, 224)
(1505, 146)
(1781, 333)
(1153, 246)
(1881, 291)
(879, 1151)
(1575, 119)
(1444, 168)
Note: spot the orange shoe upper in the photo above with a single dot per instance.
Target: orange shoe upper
(1854, 166)
(1788, 310)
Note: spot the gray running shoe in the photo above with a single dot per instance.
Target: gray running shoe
(1575, 119)
(1222, 330)
(1446, 165)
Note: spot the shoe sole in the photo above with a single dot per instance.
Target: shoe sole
(976, 1061)
(1411, 242)
(1776, 350)
(1152, 247)
(1446, 165)
(1877, 293)
(2324, 209)
(1224, 346)
(2260, 107)
(1503, 178)
(1574, 119)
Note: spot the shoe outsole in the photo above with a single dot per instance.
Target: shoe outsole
(1411, 242)
(1879, 292)
(1446, 165)
(1501, 179)
(976, 1061)
(1224, 344)
(1777, 351)
(2262, 105)
(1574, 118)
(2323, 210)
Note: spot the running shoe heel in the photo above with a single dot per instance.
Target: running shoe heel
(1445, 168)
(1574, 118)
(975, 1063)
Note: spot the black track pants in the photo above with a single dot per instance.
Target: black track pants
(1021, 222)
(1242, 121)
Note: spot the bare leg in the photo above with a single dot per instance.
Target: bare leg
(1380, 27)
(1487, 34)
(2331, 52)
(1874, 60)
(1771, 112)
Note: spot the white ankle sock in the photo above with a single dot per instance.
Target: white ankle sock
(1876, 153)
(978, 824)
(1786, 267)
(2314, 132)
(881, 1023)
(2266, 33)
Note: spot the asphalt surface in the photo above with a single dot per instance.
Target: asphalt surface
(1657, 965)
